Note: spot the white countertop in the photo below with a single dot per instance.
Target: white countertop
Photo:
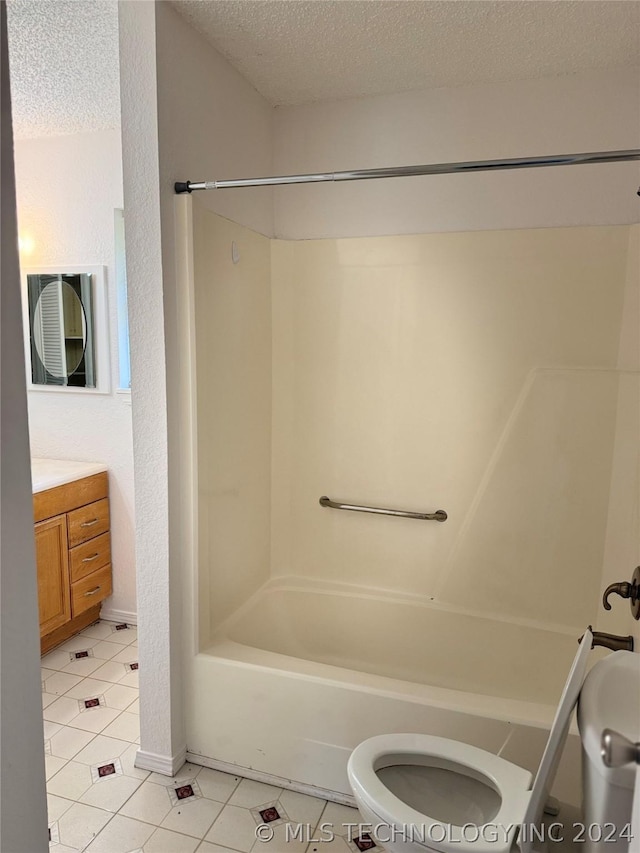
(49, 473)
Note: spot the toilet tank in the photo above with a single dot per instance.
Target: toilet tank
(610, 699)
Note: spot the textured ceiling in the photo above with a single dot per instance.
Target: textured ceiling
(295, 51)
(64, 66)
(64, 53)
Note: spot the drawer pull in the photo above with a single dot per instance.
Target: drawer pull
(93, 591)
(91, 558)
(89, 523)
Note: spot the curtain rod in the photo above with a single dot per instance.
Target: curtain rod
(412, 171)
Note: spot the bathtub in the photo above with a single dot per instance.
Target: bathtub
(304, 671)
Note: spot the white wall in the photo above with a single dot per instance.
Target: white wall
(577, 113)
(23, 804)
(185, 112)
(211, 123)
(68, 188)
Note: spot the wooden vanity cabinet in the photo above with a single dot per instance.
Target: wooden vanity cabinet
(73, 556)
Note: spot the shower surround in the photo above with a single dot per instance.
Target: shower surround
(490, 374)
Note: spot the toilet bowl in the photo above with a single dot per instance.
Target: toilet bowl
(420, 792)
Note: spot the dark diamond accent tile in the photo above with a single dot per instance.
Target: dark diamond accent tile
(364, 842)
(91, 703)
(106, 770)
(83, 654)
(184, 792)
(133, 666)
(270, 814)
(122, 626)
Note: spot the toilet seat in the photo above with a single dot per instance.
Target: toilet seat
(521, 802)
(512, 784)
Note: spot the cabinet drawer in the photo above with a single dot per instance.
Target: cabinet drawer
(90, 590)
(89, 556)
(87, 522)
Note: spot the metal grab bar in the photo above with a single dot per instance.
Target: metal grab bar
(438, 515)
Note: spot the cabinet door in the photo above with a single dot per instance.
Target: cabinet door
(52, 559)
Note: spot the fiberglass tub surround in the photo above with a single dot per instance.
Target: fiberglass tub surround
(492, 375)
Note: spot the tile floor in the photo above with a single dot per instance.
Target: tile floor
(100, 803)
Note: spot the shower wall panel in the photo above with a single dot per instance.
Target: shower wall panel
(470, 372)
(233, 355)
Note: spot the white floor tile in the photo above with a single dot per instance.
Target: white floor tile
(71, 781)
(339, 817)
(150, 803)
(50, 729)
(124, 635)
(131, 680)
(216, 785)
(250, 794)
(101, 750)
(68, 742)
(127, 759)
(193, 817)
(46, 673)
(95, 719)
(235, 828)
(128, 655)
(52, 764)
(110, 671)
(62, 848)
(163, 841)
(186, 773)
(301, 808)
(77, 643)
(63, 710)
(48, 699)
(83, 666)
(119, 696)
(336, 845)
(111, 793)
(60, 682)
(208, 847)
(282, 842)
(88, 688)
(55, 660)
(57, 806)
(81, 824)
(121, 835)
(107, 649)
(134, 707)
(100, 631)
(125, 727)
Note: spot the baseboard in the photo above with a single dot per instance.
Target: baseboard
(270, 779)
(168, 765)
(120, 616)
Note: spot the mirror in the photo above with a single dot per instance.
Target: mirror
(61, 329)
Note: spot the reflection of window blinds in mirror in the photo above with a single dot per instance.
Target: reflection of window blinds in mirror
(51, 332)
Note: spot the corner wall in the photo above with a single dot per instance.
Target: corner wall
(68, 189)
(186, 114)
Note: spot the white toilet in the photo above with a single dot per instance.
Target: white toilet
(432, 793)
